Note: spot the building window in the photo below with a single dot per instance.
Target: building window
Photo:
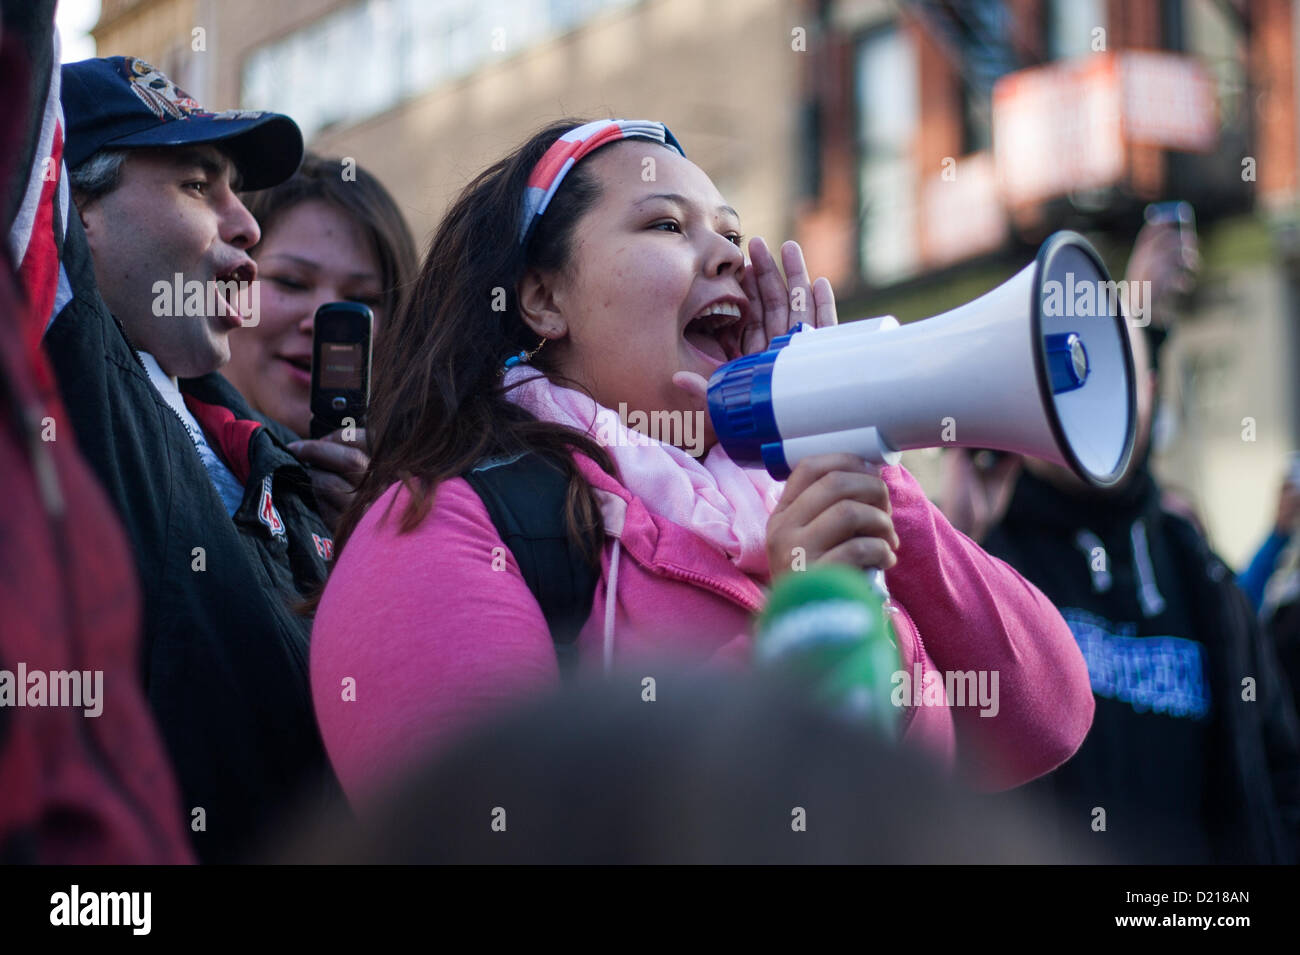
(1217, 37)
(976, 39)
(370, 55)
(1070, 25)
(887, 92)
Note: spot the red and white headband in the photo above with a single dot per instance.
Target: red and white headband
(545, 179)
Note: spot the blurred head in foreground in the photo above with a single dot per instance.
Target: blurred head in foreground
(706, 772)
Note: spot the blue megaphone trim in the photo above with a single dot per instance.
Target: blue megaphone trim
(740, 405)
(782, 340)
(774, 460)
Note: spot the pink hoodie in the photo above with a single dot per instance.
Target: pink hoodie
(438, 628)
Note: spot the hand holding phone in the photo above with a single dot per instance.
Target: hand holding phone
(1167, 255)
(340, 367)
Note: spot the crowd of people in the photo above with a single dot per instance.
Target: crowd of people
(296, 629)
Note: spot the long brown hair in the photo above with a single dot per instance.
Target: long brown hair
(364, 200)
(437, 401)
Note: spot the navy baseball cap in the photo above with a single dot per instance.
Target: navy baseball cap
(122, 102)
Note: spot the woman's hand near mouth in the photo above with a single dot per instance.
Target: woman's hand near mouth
(775, 305)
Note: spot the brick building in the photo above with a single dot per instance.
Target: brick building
(919, 149)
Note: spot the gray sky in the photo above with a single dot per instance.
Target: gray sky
(75, 18)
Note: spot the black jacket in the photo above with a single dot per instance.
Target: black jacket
(224, 652)
(1246, 753)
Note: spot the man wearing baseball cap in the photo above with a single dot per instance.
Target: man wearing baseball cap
(224, 526)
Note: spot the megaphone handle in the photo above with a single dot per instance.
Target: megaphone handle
(875, 575)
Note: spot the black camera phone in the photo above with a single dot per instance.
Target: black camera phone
(340, 366)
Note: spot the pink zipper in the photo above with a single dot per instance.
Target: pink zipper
(708, 583)
(909, 713)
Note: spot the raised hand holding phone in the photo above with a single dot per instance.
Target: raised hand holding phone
(336, 455)
(340, 366)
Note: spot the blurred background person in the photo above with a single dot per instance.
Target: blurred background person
(1194, 752)
(330, 233)
(1255, 578)
(1280, 615)
(1272, 581)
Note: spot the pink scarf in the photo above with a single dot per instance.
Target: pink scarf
(715, 498)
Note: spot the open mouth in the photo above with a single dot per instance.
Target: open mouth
(231, 286)
(715, 331)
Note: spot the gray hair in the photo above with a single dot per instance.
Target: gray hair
(97, 176)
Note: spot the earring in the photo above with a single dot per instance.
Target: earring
(524, 357)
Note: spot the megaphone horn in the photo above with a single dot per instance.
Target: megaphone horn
(1040, 365)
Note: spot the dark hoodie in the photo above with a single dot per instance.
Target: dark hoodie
(1188, 764)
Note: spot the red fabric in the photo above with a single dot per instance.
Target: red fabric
(39, 269)
(38, 255)
(233, 435)
(564, 150)
(76, 789)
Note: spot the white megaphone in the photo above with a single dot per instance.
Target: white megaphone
(1041, 365)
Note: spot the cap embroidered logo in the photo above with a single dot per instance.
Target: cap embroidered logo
(155, 90)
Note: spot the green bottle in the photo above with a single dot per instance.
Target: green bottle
(829, 628)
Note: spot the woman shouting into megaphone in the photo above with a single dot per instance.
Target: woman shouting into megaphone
(546, 497)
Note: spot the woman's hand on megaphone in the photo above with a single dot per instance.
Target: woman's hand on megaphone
(833, 510)
(777, 304)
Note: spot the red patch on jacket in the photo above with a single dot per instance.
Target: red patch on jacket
(266, 512)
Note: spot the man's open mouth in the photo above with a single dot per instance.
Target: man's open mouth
(233, 292)
(716, 330)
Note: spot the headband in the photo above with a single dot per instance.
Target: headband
(545, 179)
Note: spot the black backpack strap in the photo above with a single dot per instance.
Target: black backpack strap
(525, 497)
